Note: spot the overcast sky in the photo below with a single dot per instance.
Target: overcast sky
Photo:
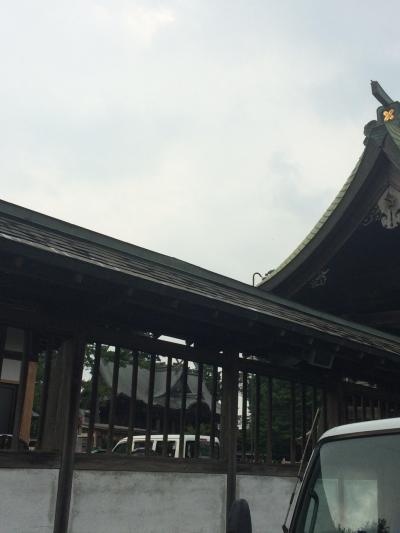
(213, 131)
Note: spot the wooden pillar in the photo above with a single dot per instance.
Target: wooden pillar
(25, 430)
(3, 339)
(53, 427)
(334, 401)
(23, 377)
(73, 352)
(229, 429)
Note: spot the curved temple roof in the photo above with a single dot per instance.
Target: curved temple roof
(160, 379)
(382, 137)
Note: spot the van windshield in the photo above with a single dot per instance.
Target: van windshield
(354, 488)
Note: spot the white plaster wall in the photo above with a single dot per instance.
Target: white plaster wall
(268, 499)
(128, 502)
(149, 502)
(27, 500)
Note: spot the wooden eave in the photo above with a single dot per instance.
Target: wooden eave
(25, 234)
(360, 193)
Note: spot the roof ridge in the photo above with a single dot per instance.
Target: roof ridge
(320, 223)
(386, 129)
(84, 234)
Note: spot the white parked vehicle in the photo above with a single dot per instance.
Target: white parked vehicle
(156, 446)
(351, 484)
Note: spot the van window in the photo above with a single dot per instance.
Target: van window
(353, 487)
(122, 447)
(171, 447)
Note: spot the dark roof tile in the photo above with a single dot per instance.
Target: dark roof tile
(41, 232)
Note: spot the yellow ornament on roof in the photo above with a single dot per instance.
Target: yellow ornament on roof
(388, 115)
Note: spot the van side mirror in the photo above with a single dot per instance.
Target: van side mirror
(239, 520)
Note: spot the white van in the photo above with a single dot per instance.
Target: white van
(156, 446)
(351, 484)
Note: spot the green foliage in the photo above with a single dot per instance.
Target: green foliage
(205, 429)
(281, 416)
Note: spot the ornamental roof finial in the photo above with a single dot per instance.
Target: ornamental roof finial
(380, 94)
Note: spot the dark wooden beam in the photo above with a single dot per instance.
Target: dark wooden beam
(382, 318)
(51, 323)
(124, 463)
(290, 374)
(133, 400)
(29, 460)
(149, 406)
(244, 415)
(167, 407)
(214, 395)
(3, 338)
(93, 396)
(292, 423)
(150, 345)
(113, 398)
(229, 412)
(121, 463)
(74, 350)
(199, 301)
(199, 398)
(269, 421)
(44, 393)
(23, 375)
(182, 416)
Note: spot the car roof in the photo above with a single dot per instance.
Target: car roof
(387, 424)
(170, 437)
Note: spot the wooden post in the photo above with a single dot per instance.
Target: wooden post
(132, 400)
(244, 416)
(229, 411)
(25, 429)
(292, 422)
(3, 338)
(314, 410)
(93, 396)
(198, 409)
(183, 410)
(269, 422)
(73, 351)
(257, 421)
(55, 412)
(23, 377)
(166, 407)
(149, 408)
(113, 399)
(213, 409)
(334, 405)
(303, 418)
(44, 396)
